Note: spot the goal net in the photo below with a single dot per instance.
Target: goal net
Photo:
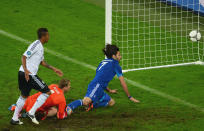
(152, 33)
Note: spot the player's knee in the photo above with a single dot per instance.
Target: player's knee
(86, 101)
(24, 96)
(111, 102)
(50, 92)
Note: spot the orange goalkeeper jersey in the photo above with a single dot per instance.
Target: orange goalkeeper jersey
(56, 99)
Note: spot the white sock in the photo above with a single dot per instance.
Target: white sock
(19, 105)
(40, 101)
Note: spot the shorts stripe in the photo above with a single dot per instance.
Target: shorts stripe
(38, 81)
(94, 90)
(81, 102)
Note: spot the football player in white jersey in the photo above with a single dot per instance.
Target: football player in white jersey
(28, 79)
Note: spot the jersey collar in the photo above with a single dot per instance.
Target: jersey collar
(113, 59)
(40, 42)
(59, 89)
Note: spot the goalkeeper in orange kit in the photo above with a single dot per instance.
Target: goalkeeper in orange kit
(54, 105)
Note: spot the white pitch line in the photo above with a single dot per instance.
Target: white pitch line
(164, 95)
(48, 50)
(136, 84)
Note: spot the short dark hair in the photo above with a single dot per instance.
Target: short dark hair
(110, 50)
(41, 32)
(63, 83)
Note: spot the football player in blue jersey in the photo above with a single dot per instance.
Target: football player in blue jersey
(95, 96)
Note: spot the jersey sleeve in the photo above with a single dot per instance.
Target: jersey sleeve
(61, 114)
(118, 70)
(32, 49)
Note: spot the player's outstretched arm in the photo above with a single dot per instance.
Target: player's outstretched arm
(124, 85)
(58, 71)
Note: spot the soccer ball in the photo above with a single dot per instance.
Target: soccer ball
(195, 35)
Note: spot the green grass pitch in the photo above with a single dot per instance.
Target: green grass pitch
(77, 30)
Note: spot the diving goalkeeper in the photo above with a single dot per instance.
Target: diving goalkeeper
(55, 104)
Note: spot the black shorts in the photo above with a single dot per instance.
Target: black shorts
(34, 83)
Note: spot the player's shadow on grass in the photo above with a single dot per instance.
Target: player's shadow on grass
(117, 119)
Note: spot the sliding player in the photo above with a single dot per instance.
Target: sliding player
(28, 78)
(54, 105)
(107, 69)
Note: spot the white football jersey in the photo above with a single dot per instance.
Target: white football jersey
(34, 54)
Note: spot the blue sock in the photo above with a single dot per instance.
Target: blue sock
(73, 105)
(101, 104)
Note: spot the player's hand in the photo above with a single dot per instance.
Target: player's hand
(27, 72)
(113, 91)
(58, 72)
(134, 100)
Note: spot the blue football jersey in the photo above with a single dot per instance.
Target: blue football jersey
(105, 72)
